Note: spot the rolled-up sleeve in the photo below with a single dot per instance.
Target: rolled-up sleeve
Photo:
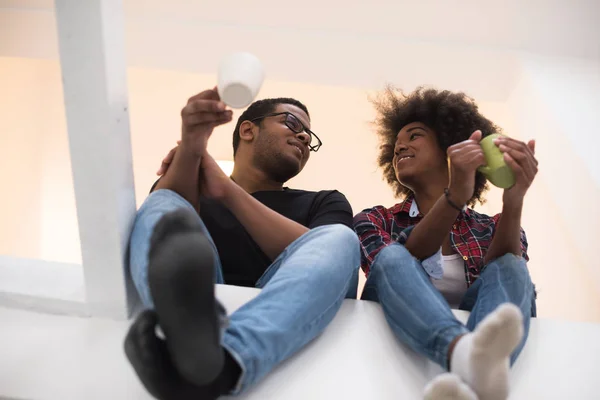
(373, 229)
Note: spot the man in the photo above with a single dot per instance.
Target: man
(199, 226)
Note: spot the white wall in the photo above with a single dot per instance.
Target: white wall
(556, 102)
(19, 212)
(570, 90)
(37, 208)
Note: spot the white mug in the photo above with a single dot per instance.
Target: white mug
(240, 77)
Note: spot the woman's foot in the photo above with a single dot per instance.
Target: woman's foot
(482, 358)
(448, 387)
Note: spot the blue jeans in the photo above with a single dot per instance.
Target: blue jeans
(420, 316)
(302, 289)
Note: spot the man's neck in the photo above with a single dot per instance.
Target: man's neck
(253, 180)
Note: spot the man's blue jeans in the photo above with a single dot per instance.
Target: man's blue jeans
(302, 289)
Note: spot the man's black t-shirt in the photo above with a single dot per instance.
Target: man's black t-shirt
(242, 259)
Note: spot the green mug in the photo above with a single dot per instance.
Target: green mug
(496, 171)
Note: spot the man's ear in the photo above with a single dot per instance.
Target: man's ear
(247, 131)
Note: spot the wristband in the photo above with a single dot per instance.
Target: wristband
(452, 204)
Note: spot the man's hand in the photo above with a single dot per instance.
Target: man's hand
(214, 183)
(465, 157)
(199, 117)
(520, 157)
(202, 113)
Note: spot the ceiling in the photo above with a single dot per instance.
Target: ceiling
(459, 44)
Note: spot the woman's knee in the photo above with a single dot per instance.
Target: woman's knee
(511, 266)
(391, 256)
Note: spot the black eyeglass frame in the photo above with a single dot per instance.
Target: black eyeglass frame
(314, 148)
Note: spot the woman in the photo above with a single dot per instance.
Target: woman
(432, 251)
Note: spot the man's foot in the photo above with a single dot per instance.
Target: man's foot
(482, 358)
(448, 387)
(181, 280)
(152, 363)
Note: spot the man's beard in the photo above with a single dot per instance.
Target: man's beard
(272, 162)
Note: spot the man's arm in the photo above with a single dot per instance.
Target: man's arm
(202, 113)
(270, 230)
(274, 232)
(182, 176)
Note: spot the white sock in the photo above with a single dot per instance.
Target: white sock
(448, 387)
(482, 358)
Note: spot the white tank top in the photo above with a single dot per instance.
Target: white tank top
(453, 285)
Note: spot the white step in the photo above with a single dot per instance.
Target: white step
(46, 356)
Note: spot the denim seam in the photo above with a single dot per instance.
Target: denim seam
(438, 355)
(240, 361)
(305, 328)
(242, 355)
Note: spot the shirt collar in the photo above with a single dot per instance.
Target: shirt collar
(404, 206)
(409, 206)
(414, 209)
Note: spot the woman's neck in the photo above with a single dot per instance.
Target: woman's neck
(427, 194)
(428, 189)
(427, 198)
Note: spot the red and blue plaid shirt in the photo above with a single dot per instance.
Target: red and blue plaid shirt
(470, 237)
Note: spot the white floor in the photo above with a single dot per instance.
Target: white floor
(45, 356)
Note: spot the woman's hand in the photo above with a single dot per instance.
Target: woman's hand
(520, 157)
(464, 159)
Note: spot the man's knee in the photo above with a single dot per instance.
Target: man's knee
(340, 239)
(342, 243)
(339, 232)
(353, 284)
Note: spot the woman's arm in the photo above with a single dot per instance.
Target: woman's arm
(428, 235)
(507, 237)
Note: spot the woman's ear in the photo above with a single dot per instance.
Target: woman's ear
(247, 131)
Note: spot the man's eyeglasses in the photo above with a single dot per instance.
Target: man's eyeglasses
(292, 122)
